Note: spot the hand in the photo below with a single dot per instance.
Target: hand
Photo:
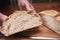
(25, 5)
(2, 19)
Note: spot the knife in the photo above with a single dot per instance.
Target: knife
(43, 38)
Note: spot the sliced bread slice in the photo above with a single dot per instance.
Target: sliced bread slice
(20, 21)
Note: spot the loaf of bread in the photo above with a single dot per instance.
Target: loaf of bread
(20, 21)
(50, 12)
(58, 18)
(51, 19)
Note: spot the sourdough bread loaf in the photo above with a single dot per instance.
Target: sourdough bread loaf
(20, 21)
(51, 19)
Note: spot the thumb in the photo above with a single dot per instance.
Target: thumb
(3, 17)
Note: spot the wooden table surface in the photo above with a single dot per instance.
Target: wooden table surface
(41, 31)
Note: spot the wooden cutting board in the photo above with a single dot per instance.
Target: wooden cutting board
(41, 31)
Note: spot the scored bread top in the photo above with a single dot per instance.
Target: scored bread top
(20, 21)
(52, 13)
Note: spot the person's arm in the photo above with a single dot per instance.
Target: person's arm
(25, 4)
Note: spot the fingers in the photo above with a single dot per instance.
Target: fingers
(21, 4)
(28, 7)
(3, 17)
(32, 7)
(25, 5)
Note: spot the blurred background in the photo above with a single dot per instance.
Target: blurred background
(39, 5)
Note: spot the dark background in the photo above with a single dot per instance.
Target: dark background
(4, 3)
(38, 1)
